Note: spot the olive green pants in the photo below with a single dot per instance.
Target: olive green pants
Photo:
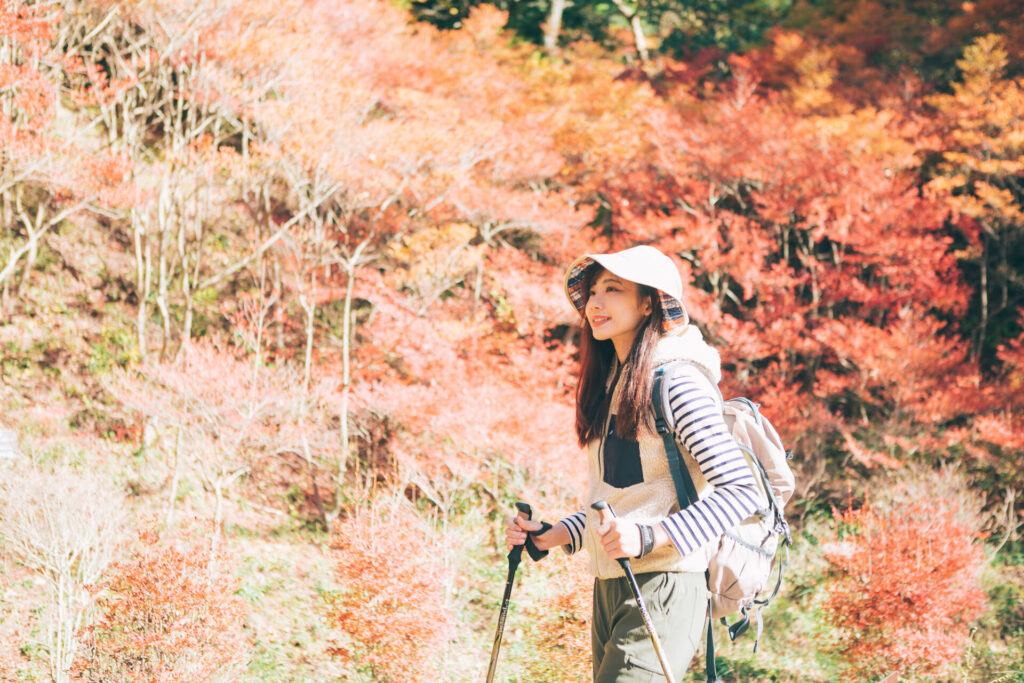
(623, 652)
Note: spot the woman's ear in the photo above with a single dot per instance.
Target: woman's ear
(646, 306)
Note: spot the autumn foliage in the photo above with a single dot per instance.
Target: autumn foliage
(563, 629)
(297, 255)
(904, 589)
(392, 599)
(168, 613)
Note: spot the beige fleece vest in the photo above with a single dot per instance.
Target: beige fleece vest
(648, 502)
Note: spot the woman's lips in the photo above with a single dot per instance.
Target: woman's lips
(597, 321)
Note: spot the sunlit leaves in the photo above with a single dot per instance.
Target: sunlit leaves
(167, 613)
(904, 587)
(392, 600)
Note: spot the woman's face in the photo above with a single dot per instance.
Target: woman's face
(615, 311)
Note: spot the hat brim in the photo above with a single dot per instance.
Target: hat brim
(674, 315)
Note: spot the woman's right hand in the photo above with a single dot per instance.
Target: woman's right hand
(516, 529)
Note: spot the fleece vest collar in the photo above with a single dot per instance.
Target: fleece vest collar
(689, 345)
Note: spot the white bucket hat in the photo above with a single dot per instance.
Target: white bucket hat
(643, 265)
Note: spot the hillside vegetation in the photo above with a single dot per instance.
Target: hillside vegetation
(283, 337)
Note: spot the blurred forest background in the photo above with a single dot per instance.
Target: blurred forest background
(282, 335)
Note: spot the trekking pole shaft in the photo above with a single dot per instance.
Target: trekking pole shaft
(604, 510)
(514, 556)
(501, 625)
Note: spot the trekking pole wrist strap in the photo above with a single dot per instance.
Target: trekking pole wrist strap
(535, 553)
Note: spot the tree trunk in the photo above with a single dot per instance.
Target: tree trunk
(164, 270)
(639, 39)
(553, 26)
(310, 310)
(35, 230)
(261, 321)
(143, 280)
(346, 382)
(311, 469)
(282, 311)
(175, 477)
(983, 291)
(61, 630)
(190, 273)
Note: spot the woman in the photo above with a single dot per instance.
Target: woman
(633, 322)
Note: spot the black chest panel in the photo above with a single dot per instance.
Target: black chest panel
(621, 459)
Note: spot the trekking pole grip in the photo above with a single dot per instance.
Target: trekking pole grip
(607, 514)
(524, 511)
(604, 511)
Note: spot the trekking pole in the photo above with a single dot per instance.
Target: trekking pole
(607, 515)
(513, 561)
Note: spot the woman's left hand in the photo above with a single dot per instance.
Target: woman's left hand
(620, 538)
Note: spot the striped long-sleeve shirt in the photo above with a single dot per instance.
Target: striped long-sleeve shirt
(701, 431)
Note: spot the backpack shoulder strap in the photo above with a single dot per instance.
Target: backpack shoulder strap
(685, 490)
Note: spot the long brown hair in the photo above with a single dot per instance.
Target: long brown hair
(597, 358)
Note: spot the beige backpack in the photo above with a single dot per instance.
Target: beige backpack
(741, 567)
